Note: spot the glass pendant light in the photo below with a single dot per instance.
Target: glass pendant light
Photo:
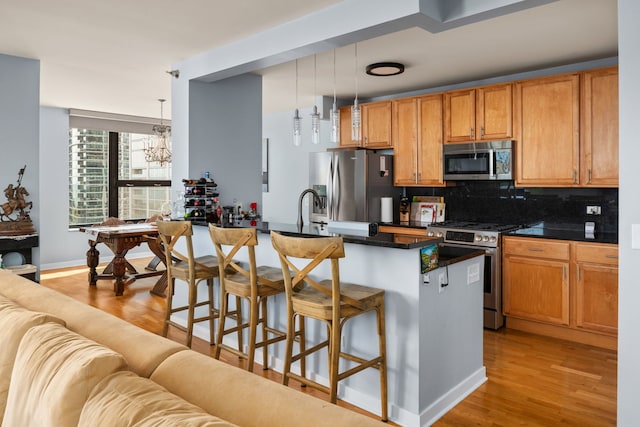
(356, 129)
(315, 117)
(334, 115)
(297, 120)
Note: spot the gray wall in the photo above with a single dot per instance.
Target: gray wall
(629, 279)
(19, 127)
(225, 134)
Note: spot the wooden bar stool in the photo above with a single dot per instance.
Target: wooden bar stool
(329, 301)
(191, 270)
(255, 285)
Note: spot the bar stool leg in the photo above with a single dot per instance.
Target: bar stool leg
(222, 318)
(253, 326)
(263, 319)
(239, 322)
(382, 340)
(291, 334)
(334, 360)
(212, 315)
(167, 315)
(193, 297)
(303, 346)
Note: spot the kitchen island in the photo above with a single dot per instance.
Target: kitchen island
(433, 321)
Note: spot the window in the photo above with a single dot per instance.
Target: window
(109, 176)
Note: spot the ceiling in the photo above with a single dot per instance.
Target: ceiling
(113, 56)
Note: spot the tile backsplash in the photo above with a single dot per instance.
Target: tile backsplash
(502, 202)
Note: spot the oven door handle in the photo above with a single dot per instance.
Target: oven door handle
(492, 163)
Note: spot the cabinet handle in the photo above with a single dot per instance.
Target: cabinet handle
(564, 272)
(419, 177)
(611, 256)
(471, 133)
(481, 132)
(535, 249)
(588, 176)
(575, 176)
(578, 271)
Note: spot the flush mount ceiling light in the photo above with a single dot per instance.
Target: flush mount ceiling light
(385, 69)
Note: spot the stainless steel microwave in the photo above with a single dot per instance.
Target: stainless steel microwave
(490, 160)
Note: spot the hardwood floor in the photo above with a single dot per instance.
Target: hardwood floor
(533, 380)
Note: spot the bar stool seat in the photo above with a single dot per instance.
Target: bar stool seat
(332, 302)
(255, 284)
(192, 270)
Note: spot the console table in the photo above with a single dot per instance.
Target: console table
(21, 244)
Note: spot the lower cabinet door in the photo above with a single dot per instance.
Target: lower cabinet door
(536, 289)
(597, 298)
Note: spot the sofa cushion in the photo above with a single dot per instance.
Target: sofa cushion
(14, 322)
(247, 399)
(90, 322)
(125, 399)
(54, 372)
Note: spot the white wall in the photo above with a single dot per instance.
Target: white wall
(289, 165)
(629, 279)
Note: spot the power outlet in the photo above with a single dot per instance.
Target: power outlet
(594, 210)
(238, 206)
(442, 282)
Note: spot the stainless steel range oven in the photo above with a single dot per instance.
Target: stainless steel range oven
(482, 236)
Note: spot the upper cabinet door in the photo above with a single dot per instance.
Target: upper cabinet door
(417, 141)
(405, 142)
(599, 128)
(430, 140)
(376, 124)
(494, 112)
(460, 116)
(345, 128)
(479, 114)
(546, 117)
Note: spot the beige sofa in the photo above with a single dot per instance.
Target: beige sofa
(63, 363)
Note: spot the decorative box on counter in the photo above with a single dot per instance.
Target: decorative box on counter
(427, 209)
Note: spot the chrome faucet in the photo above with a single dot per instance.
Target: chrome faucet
(316, 199)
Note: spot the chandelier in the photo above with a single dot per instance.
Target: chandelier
(159, 152)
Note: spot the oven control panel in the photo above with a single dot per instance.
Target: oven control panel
(471, 238)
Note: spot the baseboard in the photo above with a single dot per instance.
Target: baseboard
(454, 396)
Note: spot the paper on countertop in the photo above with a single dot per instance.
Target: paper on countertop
(92, 232)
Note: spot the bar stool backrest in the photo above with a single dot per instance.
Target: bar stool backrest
(317, 249)
(171, 232)
(237, 238)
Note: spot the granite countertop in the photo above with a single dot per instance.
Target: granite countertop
(573, 232)
(387, 240)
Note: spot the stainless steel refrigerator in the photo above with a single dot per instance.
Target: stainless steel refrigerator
(350, 184)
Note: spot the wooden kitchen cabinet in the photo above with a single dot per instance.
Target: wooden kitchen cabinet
(596, 287)
(345, 127)
(564, 289)
(546, 117)
(376, 124)
(599, 128)
(479, 114)
(417, 141)
(535, 280)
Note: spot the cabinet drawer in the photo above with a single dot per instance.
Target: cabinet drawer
(599, 254)
(537, 248)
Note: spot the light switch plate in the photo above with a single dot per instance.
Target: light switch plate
(635, 236)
